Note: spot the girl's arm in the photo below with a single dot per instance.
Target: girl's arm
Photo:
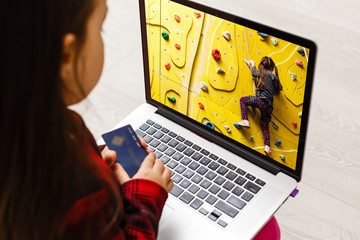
(254, 72)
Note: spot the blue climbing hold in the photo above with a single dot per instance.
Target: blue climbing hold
(301, 51)
(209, 125)
(264, 35)
(278, 142)
(282, 157)
(237, 125)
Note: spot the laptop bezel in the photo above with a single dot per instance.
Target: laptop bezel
(216, 137)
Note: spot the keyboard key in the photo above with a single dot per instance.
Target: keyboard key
(214, 215)
(237, 191)
(228, 185)
(185, 183)
(249, 176)
(150, 122)
(236, 202)
(214, 189)
(148, 139)
(231, 166)
(260, 182)
(205, 184)
(211, 199)
(222, 170)
(193, 189)
(140, 133)
(177, 156)
(240, 171)
(177, 178)
(187, 142)
(196, 147)
(158, 135)
(223, 194)
(144, 127)
(165, 159)
(151, 131)
(170, 152)
(194, 165)
(188, 152)
(227, 209)
(210, 175)
(213, 156)
(205, 152)
(173, 143)
(247, 196)
(162, 147)
(240, 180)
(188, 173)
(205, 161)
(196, 156)
(186, 197)
(213, 165)
(155, 143)
(180, 139)
(158, 126)
(231, 175)
(180, 169)
(222, 223)
(202, 194)
(196, 179)
(196, 204)
(151, 149)
(202, 170)
(165, 130)
(176, 191)
(252, 187)
(172, 134)
(180, 147)
(219, 180)
(185, 161)
(165, 139)
(158, 154)
(203, 211)
(172, 164)
(222, 161)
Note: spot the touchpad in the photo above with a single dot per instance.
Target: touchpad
(167, 212)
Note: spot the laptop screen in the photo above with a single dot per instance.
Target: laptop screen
(241, 79)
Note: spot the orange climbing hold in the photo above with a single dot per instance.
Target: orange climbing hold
(294, 124)
(216, 54)
(299, 63)
(177, 18)
(167, 66)
(197, 15)
(177, 46)
(201, 106)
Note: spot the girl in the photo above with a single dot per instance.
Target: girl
(53, 180)
(267, 86)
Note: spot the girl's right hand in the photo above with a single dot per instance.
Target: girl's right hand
(151, 169)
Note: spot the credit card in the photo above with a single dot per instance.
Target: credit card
(129, 152)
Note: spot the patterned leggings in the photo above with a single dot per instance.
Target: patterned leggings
(265, 111)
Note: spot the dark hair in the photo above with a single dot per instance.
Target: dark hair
(44, 167)
(266, 64)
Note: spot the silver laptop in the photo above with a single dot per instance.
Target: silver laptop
(196, 72)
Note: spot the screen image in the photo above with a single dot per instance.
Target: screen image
(199, 66)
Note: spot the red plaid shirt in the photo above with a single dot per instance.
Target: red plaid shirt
(142, 204)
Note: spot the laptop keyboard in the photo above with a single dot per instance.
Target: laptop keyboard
(205, 182)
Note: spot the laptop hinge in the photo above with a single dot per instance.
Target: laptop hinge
(232, 147)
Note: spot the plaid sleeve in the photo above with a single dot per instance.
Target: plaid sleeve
(143, 204)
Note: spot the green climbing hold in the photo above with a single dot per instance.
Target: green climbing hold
(293, 76)
(301, 51)
(274, 41)
(172, 99)
(300, 114)
(278, 142)
(282, 157)
(251, 138)
(165, 35)
(275, 125)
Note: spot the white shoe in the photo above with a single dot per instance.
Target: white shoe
(244, 123)
(267, 150)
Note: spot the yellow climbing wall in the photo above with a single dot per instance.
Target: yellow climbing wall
(188, 54)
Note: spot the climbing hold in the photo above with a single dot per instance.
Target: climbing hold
(172, 99)
(299, 63)
(209, 125)
(251, 138)
(300, 114)
(247, 62)
(293, 76)
(264, 35)
(220, 71)
(278, 142)
(274, 41)
(177, 46)
(228, 129)
(275, 125)
(165, 35)
(227, 35)
(201, 106)
(237, 125)
(197, 15)
(177, 18)
(204, 86)
(282, 157)
(294, 124)
(216, 54)
(301, 51)
(167, 66)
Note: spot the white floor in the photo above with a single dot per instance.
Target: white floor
(328, 205)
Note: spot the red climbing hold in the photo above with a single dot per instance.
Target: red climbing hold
(177, 46)
(177, 18)
(299, 63)
(201, 106)
(197, 15)
(167, 66)
(294, 124)
(216, 54)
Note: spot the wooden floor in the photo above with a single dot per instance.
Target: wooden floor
(328, 205)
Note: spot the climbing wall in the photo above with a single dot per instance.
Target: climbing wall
(197, 67)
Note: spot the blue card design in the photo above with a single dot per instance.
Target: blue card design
(127, 146)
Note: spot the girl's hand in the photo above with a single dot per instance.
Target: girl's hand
(108, 156)
(252, 63)
(151, 169)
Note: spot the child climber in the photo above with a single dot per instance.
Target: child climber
(267, 85)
